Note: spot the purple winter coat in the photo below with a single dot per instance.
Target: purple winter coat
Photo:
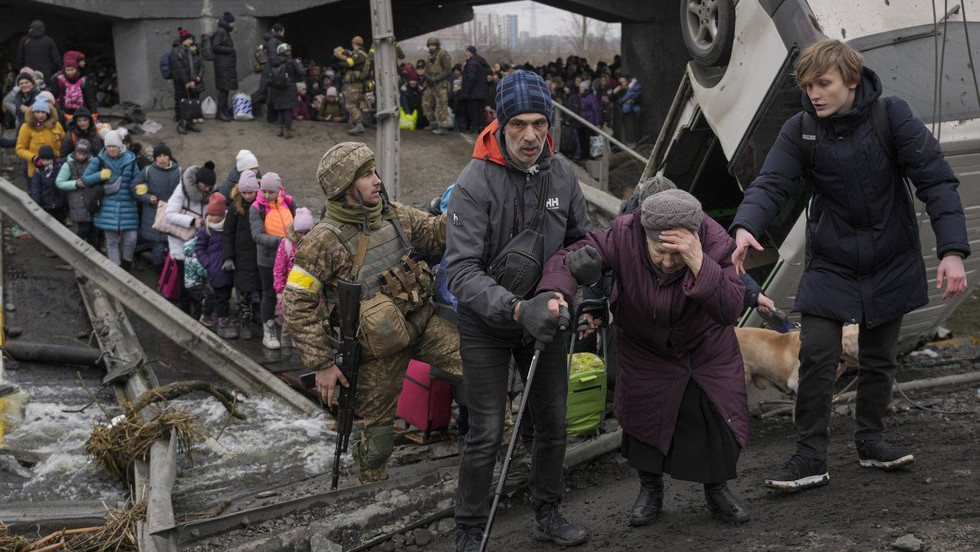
(208, 251)
(666, 334)
(589, 108)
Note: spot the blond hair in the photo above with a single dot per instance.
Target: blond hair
(821, 57)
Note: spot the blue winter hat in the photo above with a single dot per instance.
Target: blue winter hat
(228, 17)
(40, 104)
(522, 92)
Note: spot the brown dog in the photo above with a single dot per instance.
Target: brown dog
(773, 357)
(770, 356)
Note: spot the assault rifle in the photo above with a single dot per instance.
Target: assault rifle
(348, 359)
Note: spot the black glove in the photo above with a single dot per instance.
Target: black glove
(536, 319)
(585, 264)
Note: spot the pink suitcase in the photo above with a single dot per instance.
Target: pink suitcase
(425, 403)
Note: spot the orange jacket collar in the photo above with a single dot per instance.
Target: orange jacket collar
(488, 148)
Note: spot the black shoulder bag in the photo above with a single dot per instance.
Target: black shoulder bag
(518, 266)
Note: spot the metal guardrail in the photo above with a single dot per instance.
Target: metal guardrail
(599, 131)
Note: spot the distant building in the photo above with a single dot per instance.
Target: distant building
(510, 35)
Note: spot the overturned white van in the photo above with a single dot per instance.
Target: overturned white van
(739, 90)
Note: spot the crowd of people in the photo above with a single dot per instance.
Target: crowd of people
(242, 246)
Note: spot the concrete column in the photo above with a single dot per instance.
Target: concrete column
(655, 54)
(138, 45)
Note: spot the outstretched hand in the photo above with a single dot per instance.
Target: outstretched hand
(743, 239)
(951, 270)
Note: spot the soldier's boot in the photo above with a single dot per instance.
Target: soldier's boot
(372, 452)
(438, 130)
(356, 129)
(245, 318)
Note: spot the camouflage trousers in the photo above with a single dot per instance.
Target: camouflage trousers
(379, 382)
(353, 92)
(435, 103)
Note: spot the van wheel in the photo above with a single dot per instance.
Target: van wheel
(708, 27)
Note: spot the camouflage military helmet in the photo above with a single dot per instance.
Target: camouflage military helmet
(339, 166)
(432, 40)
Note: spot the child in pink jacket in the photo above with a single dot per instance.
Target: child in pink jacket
(285, 256)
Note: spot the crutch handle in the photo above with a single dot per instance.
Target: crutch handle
(564, 321)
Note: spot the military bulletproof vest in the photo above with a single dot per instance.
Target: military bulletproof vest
(357, 73)
(388, 267)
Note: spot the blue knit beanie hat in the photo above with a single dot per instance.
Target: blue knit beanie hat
(522, 92)
(40, 104)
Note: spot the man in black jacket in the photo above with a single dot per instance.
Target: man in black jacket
(225, 63)
(474, 88)
(38, 51)
(863, 257)
(513, 175)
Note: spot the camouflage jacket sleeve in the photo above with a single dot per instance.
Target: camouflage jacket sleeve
(321, 260)
(426, 232)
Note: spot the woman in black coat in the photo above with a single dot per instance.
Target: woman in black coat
(185, 77)
(225, 64)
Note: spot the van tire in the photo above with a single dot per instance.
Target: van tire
(708, 27)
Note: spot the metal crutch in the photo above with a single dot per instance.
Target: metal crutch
(563, 323)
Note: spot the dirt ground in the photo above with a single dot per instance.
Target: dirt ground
(935, 500)
(429, 163)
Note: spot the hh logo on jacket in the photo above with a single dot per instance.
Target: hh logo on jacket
(552, 203)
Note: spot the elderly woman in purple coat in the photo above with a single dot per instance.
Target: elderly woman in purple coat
(680, 393)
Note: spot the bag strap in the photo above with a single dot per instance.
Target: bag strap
(537, 220)
(362, 247)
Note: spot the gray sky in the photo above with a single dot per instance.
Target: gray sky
(549, 20)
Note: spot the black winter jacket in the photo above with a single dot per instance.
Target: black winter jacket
(863, 257)
(38, 51)
(238, 245)
(73, 134)
(225, 58)
(475, 85)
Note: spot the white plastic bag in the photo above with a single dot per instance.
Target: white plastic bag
(595, 146)
(241, 106)
(209, 108)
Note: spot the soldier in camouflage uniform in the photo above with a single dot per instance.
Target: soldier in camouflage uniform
(358, 72)
(365, 238)
(435, 96)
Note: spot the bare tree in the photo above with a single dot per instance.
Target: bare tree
(582, 33)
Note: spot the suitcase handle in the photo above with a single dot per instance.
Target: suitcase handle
(588, 378)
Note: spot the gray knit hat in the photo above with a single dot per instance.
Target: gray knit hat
(670, 209)
(653, 185)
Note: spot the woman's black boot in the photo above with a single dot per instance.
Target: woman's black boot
(723, 503)
(650, 500)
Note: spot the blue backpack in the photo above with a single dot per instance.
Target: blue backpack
(165, 66)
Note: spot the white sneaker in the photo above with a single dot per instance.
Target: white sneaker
(269, 339)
